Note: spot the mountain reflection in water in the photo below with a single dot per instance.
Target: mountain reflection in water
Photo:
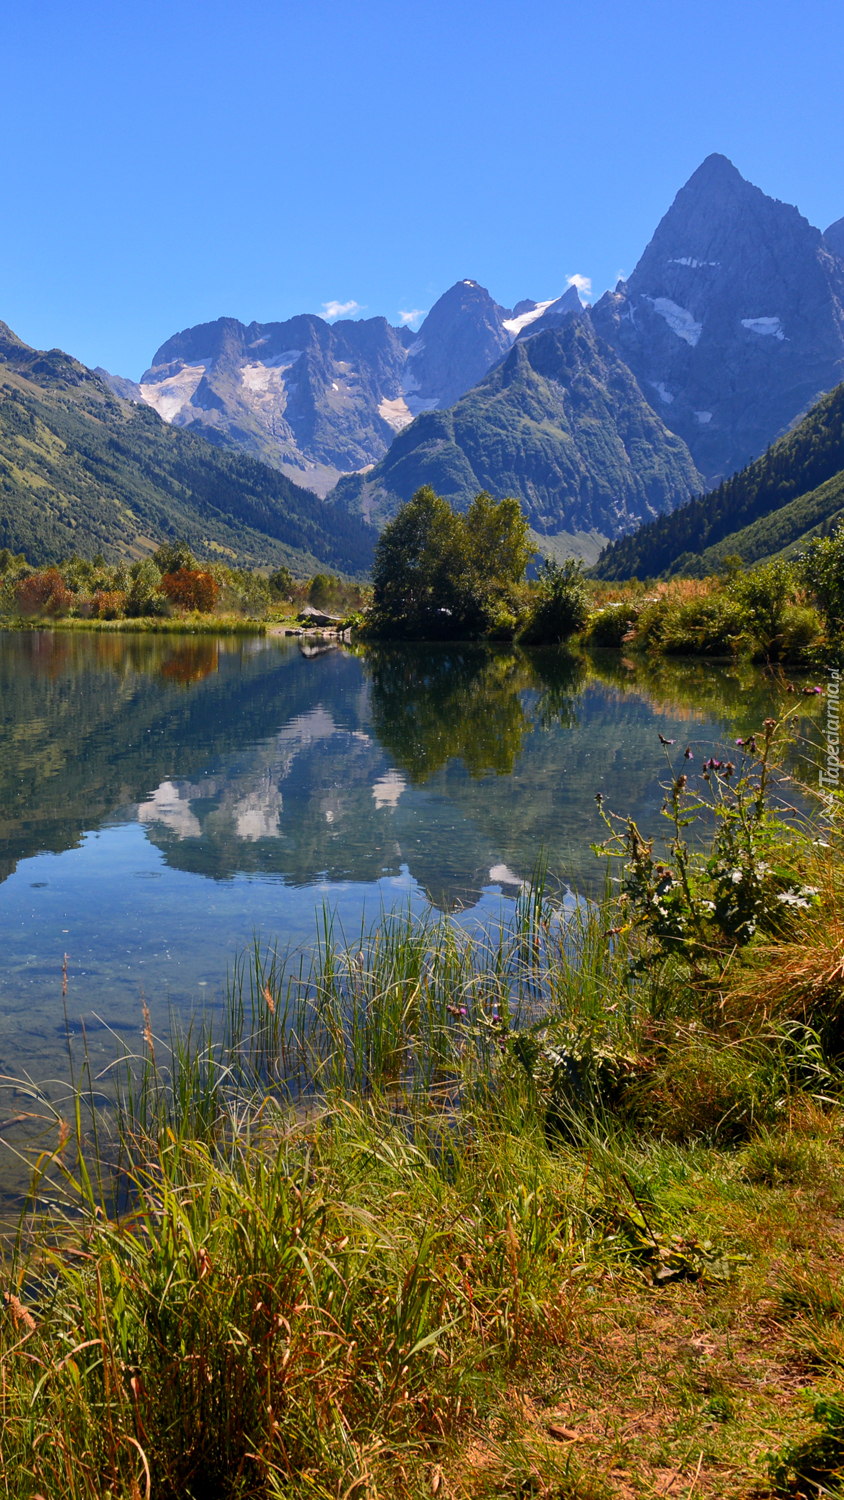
(241, 755)
(164, 799)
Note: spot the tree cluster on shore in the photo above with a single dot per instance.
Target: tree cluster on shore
(439, 575)
(171, 582)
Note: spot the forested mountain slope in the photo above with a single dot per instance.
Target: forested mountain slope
(798, 466)
(82, 471)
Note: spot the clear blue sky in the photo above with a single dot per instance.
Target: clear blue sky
(167, 164)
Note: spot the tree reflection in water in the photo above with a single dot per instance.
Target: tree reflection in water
(432, 704)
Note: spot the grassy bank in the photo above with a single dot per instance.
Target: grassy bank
(191, 624)
(552, 1208)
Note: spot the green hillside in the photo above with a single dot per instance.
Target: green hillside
(793, 489)
(560, 424)
(81, 471)
(782, 533)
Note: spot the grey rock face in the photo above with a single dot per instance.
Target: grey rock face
(733, 320)
(834, 237)
(316, 399)
(311, 398)
(460, 339)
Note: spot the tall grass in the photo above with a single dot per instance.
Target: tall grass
(298, 1252)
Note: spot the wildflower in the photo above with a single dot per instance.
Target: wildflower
(681, 782)
(599, 797)
(687, 753)
(664, 741)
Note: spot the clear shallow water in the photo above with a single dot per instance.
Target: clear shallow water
(162, 801)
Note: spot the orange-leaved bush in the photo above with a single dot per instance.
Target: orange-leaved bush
(191, 589)
(108, 604)
(43, 593)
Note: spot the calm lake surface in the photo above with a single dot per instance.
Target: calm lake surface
(163, 800)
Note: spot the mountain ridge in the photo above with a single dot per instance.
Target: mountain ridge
(695, 538)
(83, 471)
(559, 423)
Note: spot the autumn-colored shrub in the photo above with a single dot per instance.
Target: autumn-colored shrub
(191, 589)
(108, 604)
(43, 594)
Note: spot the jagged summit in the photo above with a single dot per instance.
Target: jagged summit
(733, 320)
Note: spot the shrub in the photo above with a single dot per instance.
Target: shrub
(704, 622)
(108, 604)
(609, 626)
(763, 595)
(191, 589)
(171, 557)
(821, 571)
(562, 606)
(281, 583)
(801, 629)
(144, 596)
(43, 594)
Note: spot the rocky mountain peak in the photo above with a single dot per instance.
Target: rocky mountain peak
(733, 320)
(462, 336)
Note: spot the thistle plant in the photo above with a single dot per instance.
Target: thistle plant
(706, 899)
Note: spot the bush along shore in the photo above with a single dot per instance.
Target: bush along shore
(438, 575)
(168, 591)
(551, 1208)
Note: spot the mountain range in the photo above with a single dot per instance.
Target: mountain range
(728, 329)
(297, 438)
(83, 471)
(319, 400)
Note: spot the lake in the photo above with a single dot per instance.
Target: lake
(163, 800)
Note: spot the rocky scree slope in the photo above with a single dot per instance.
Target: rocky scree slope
(559, 423)
(733, 320)
(83, 471)
(792, 491)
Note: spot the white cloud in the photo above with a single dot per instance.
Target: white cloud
(340, 309)
(412, 315)
(583, 285)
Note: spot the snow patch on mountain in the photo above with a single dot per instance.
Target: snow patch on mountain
(679, 319)
(767, 327)
(396, 414)
(514, 326)
(169, 395)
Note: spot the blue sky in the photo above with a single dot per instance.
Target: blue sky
(163, 165)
